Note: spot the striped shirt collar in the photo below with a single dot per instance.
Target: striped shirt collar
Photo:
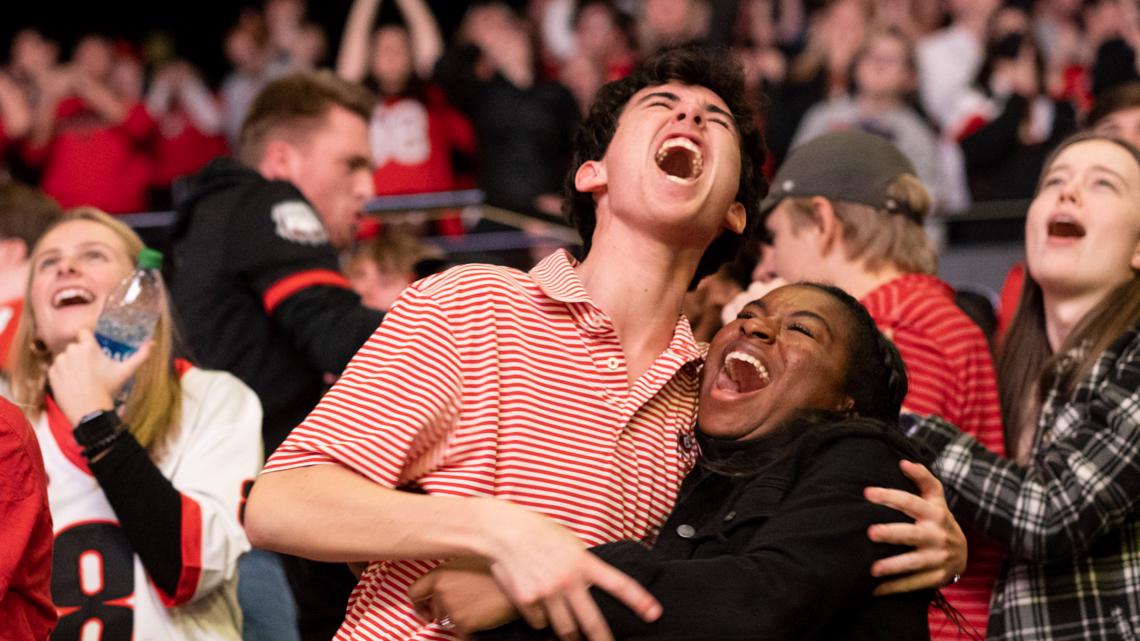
(556, 277)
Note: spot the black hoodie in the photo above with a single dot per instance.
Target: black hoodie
(260, 293)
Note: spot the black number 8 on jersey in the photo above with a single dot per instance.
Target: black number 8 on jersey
(93, 578)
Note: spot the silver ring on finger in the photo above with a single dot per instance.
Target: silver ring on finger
(446, 623)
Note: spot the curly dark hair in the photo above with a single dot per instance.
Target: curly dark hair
(718, 72)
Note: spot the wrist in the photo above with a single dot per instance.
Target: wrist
(492, 519)
(97, 431)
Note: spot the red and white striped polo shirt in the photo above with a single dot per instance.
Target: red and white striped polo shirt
(486, 381)
(951, 374)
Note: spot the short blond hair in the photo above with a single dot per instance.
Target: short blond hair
(878, 236)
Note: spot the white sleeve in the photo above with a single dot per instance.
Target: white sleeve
(222, 451)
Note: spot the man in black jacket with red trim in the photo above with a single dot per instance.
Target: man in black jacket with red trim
(256, 279)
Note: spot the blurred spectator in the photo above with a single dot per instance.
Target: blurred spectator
(883, 80)
(15, 115)
(90, 130)
(672, 23)
(1117, 113)
(1005, 123)
(381, 269)
(294, 43)
(820, 72)
(31, 57)
(24, 215)
(949, 59)
(523, 122)
(248, 54)
(1114, 28)
(764, 38)
(414, 131)
(604, 34)
(703, 305)
(189, 132)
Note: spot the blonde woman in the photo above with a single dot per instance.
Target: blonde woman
(144, 497)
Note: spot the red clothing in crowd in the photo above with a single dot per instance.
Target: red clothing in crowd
(951, 375)
(9, 319)
(90, 162)
(181, 149)
(413, 142)
(26, 610)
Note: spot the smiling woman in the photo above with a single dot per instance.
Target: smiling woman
(150, 488)
(767, 540)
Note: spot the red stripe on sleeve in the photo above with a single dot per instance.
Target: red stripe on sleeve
(191, 555)
(276, 293)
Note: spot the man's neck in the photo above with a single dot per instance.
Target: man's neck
(858, 281)
(640, 284)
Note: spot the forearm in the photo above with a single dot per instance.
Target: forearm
(148, 506)
(105, 103)
(14, 111)
(352, 60)
(329, 513)
(1041, 512)
(427, 42)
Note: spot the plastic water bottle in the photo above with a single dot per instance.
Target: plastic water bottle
(132, 308)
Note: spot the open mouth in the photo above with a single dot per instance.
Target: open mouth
(72, 296)
(681, 160)
(1065, 227)
(743, 373)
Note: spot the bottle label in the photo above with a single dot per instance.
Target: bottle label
(115, 350)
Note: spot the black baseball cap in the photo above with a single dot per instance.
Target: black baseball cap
(849, 166)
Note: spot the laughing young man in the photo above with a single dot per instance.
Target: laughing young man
(501, 398)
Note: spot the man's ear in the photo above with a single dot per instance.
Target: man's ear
(278, 159)
(736, 218)
(1136, 258)
(590, 177)
(828, 224)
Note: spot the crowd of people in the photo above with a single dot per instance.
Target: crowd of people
(554, 451)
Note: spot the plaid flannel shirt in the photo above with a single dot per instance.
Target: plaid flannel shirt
(1069, 518)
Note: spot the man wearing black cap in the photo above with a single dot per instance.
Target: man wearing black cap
(846, 208)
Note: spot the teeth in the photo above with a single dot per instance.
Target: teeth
(751, 360)
(71, 293)
(696, 159)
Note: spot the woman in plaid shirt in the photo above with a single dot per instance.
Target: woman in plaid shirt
(1065, 504)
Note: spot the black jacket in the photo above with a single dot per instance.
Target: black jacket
(259, 291)
(781, 554)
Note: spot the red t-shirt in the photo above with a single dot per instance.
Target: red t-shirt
(26, 610)
(9, 319)
(950, 374)
(412, 143)
(89, 162)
